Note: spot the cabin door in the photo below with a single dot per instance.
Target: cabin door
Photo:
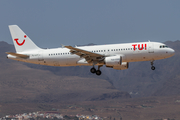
(151, 47)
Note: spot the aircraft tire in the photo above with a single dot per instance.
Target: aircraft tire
(98, 72)
(93, 70)
(153, 68)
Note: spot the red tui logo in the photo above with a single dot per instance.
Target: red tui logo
(20, 44)
(140, 47)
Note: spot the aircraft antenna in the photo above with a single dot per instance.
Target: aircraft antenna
(62, 45)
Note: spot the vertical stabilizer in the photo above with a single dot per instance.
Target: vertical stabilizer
(21, 41)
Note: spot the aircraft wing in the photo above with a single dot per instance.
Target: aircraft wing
(18, 55)
(89, 56)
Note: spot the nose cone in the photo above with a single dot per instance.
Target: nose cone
(171, 52)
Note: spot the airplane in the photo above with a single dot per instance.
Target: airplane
(116, 56)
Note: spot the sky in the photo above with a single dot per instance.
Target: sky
(50, 23)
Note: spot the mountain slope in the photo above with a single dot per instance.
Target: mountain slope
(19, 83)
(139, 79)
(172, 84)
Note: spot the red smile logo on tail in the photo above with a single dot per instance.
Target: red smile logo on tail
(20, 44)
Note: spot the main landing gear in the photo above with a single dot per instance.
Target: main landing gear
(98, 72)
(152, 67)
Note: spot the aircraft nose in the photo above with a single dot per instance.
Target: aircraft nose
(171, 51)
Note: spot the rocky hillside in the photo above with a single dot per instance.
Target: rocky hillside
(20, 83)
(139, 80)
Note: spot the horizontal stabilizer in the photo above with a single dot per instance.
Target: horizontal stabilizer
(18, 55)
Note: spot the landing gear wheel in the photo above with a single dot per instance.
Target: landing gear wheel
(153, 68)
(93, 70)
(152, 63)
(98, 72)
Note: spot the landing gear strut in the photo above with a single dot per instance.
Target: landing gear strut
(152, 67)
(93, 70)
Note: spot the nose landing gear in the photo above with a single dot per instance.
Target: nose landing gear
(93, 70)
(152, 67)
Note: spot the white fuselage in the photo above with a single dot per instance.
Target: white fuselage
(131, 52)
(116, 56)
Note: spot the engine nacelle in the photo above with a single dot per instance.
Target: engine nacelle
(113, 60)
(123, 66)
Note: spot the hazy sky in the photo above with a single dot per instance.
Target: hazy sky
(50, 23)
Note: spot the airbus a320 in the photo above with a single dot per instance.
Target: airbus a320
(116, 56)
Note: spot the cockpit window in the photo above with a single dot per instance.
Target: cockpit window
(163, 46)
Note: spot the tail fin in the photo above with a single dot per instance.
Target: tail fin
(21, 41)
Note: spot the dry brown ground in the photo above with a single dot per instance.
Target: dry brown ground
(151, 108)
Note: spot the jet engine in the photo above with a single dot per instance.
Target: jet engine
(115, 62)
